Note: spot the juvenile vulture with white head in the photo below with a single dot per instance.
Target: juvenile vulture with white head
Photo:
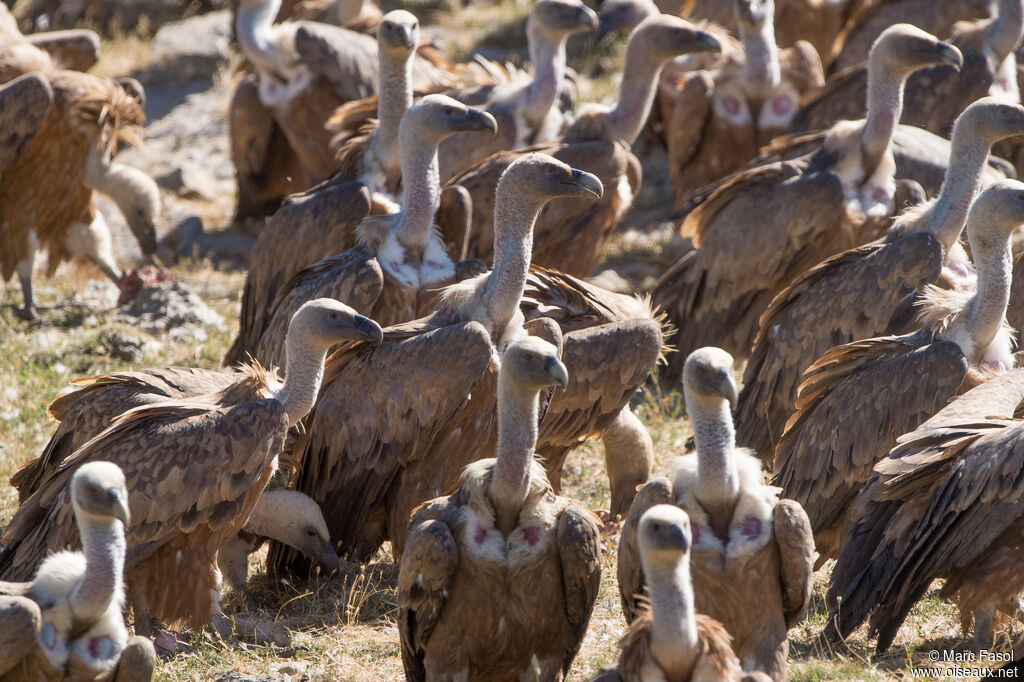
(195, 468)
(935, 97)
(667, 639)
(526, 109)
(304, 70)
(503, 552)
(80, 595)
(869, 290)
(749, 547)
(766, 225)
(894, 383)
(570, 236)
(945, 503)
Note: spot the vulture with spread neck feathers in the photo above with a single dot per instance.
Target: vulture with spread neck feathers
(667, 639)
(752, 552)
(716, 120)
(79, 629)
(764, 226)
(935, 97)
(527, 110)
(894, 383)
(68, 130)
(869, 290)
(946, 503)
(503, 552)
(195, 468)
(304, 70)
(334, 218)
(400, 265)
(570, 236)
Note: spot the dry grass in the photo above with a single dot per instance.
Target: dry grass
(344, 627)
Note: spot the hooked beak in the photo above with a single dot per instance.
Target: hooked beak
(145, 235)
(119, 506)
(556, 370)
(405, 35)
(329, 561)
(588, 19)
(729, 391)
(950, 55)
(707, 42)
(367, 330)
(478, 120)
(585, 185)
(750, 12)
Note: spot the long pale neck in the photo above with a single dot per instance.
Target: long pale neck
(421, 187)
(718, 483)
(674, 627)
(513, 247)
(304, 370)
(393, 99)
(885, 104)
(1005, 30)
(103, 544)
(254, 30)
(548, 57)
(984, 314)
(968, 156)
(636, 94)
(517, 438)
(763, 73)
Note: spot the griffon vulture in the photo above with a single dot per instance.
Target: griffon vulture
(570, 236)
(749, 547)
(502, 552)
(894, 383)
(867, 291)
(667, 639)
(195, 468)
(78, 627)
(943, 504)
(766, 225)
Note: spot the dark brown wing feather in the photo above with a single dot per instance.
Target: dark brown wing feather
(630, 572)
(24, 103)
(792, 531)
(579, 552)
(75, 49)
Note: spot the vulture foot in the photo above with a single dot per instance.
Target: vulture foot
(983, 627)
(26, 314)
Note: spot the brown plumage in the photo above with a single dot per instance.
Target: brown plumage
(935, 97)
(305, 71)
(752, 552)
(869, 290)
(894, 383)
(945, 503)
(570, 236)
(194, 468)
(503, 552)
(24, 102)
(766, 225)
(718, 119)
(74, 49)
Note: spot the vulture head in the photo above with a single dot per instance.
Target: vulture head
(304, 527)
(398, 34)
(99, 494)
(436, 117)
(992, 119)
(664, 37)
(324, 322)
(624, 15)
(904, 48)
(664, 536)
(753, 15)
(140, 205)
(532, 364)
(543, 177)
(994, 216)
(557, 19)
(708, 376)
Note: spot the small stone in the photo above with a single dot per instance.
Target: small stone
(188, 180)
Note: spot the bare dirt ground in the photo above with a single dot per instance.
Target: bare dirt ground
(343, 627)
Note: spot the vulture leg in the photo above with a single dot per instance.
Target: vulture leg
(24, 270)
(628, 458)
(137, 661)
(19, 625)
(983, 627)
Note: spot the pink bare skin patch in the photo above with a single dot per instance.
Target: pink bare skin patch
(480, 536)
(532, 534)
(751, 527)
(880, 195)
(101, 647)
(732, 105)
(695, 531)
(781, 105)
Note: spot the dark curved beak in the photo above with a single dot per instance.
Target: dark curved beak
(730, 391)
(146, 236)
(367, 330)
(119, 506)
(750, 12)
(405, 34)
(585, 184)
(478, 120)
(556, 370)
(588, 20)
(328, 561)
(950, 54)
(706, 42)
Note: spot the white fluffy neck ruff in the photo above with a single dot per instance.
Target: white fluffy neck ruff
(674, 627)
(103, 545)
(304, 370)
(715, 441)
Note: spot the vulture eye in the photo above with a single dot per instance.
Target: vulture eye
(332, 316)
(310, 532)
(549, 169)
(415, 24)
(656, 526)
(447, 111)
